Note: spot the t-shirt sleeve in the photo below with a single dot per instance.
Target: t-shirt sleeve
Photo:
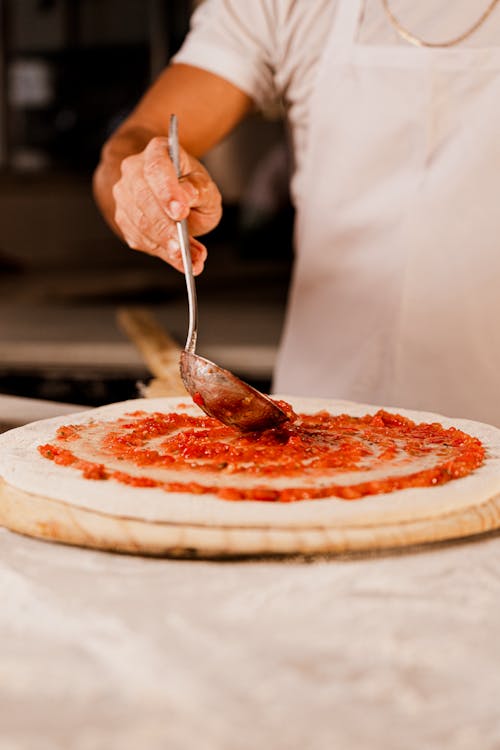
(235, 40)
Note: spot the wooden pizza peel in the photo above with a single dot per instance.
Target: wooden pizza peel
(158, 349)
(45, 518)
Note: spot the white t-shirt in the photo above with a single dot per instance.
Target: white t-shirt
(270, 49)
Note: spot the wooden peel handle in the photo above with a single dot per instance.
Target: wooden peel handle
(158, 349)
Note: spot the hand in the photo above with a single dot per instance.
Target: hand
(149, 199)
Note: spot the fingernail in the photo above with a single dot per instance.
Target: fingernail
(175, 209)
(197, 269)
(173, 246)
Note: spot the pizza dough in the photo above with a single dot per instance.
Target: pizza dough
(22, 467)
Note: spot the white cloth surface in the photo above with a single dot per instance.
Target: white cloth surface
(107, 651)
(395, 293)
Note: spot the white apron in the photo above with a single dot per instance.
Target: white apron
(396, 291)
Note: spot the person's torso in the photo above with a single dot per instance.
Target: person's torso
(395, 297)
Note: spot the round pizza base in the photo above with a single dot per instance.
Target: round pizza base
(43, 500)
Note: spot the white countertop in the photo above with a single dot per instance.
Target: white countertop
(17, 410)
(106, 651)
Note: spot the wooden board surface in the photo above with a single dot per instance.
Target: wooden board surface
(44, 518)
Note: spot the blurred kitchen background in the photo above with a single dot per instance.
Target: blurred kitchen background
(70, 70)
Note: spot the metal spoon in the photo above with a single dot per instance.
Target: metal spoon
(217, 391)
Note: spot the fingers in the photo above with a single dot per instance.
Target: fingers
(145, 227)
(206, 206)
(144, 216)
(195, 196)
(149, 199)
(169, 250)
(197, 251)
(160, 175)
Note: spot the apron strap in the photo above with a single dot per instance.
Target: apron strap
(346, 23)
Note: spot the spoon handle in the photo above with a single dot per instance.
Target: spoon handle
(182, 232)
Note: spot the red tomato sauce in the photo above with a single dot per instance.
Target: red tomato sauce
(309, 455)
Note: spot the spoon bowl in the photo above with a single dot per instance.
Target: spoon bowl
(227, 398)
